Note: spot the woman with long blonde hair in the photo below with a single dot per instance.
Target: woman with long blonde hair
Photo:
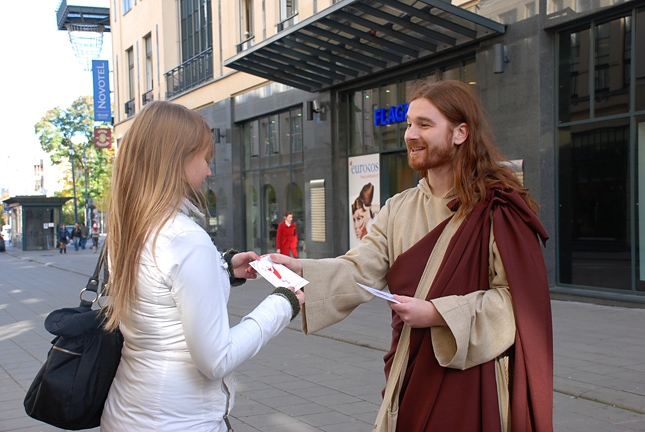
(169, 286)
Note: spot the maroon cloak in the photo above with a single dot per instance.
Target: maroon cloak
(434, 398)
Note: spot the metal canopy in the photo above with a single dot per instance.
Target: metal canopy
(358, 38)
(82, 15)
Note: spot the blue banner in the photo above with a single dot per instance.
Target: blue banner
(101, 80)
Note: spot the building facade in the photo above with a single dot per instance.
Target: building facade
(306, 100)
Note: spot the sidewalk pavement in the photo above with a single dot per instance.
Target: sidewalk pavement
(330, 381)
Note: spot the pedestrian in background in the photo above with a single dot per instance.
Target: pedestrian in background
(169, 285)
(286, 240)
(63, 239)
(85, 232)
(472, 338)
(95, 237)
(76, 236)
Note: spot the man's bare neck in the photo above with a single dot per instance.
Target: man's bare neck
(440, 181)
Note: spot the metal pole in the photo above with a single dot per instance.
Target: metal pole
(71, 159)
(87, 201)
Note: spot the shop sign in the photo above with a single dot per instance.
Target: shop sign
(393, 114)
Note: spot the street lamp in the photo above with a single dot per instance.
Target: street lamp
(71, 159)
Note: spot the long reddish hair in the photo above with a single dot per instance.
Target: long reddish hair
(478, 163)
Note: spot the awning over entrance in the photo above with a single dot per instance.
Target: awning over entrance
(357, 38)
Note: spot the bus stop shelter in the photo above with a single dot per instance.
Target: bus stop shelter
(35, 221)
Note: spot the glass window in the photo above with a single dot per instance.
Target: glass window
(389, 133)
(594, 217)
(251, 145)
(270, 142)
(370, 139)
(640, 203)
(396, 175)
(246, 19)
(612, 64)
(296, 203)
(252, 211)
(127, 5)
(196, 23)
(273, 155)
(356, 124)
(295, 136)
(149, 75)
(131, 81)
(573, 75)
(639, 50)
(285, 138)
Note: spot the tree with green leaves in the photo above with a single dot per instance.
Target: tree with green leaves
(67, 136)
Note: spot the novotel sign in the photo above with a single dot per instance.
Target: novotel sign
(102, 109)
(393, 114)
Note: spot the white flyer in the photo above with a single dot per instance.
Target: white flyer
(277, 274)
(379, 293)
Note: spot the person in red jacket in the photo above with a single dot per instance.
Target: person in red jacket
(287, 238)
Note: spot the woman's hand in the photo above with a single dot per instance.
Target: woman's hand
(291, 263)
(241, 267)
(417, 313)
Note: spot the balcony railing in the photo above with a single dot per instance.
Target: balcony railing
(129, 108)
(147, 97)
(245, 44)
(190, 73)
(287, 22)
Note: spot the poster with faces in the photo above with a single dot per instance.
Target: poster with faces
(364, 195)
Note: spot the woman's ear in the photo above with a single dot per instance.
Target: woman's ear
(460, 133)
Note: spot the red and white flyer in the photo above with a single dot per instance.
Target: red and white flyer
(277, 274)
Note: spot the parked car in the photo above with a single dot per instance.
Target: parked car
(2, 245)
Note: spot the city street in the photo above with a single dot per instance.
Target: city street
(330, 381)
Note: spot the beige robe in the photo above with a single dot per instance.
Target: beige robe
(481, 325)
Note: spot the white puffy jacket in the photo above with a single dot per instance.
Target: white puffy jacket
(176, 370)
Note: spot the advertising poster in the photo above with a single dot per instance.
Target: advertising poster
(364, 195)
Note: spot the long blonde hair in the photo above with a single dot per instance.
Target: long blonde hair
(478, 162)
(148, 186)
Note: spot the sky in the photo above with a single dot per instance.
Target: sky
(39, 72)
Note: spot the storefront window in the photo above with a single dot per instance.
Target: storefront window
(273, 178)
(594, 217)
